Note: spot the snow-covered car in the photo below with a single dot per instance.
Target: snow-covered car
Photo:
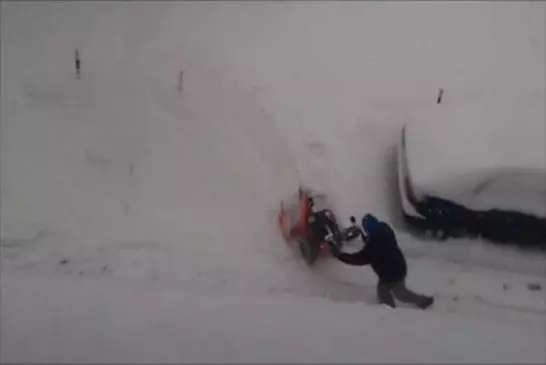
(471, 171)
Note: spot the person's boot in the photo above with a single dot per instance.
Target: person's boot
(427, 302)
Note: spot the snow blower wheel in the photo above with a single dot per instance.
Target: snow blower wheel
(309, 252)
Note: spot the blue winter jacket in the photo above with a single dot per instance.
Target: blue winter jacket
(381, 251)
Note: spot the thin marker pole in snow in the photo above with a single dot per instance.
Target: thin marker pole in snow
(440, 94)
(77, 63)
(180, 80)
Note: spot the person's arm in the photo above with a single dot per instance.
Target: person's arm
(360, 258)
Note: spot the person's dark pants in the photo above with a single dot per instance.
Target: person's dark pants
(386, 292)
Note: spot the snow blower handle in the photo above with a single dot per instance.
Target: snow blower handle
(353, 231)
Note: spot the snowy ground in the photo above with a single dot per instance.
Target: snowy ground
(138, 221)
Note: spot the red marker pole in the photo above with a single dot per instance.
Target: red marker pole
(180, 81)
(440, 95)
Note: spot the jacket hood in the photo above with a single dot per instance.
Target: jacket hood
(370, 224)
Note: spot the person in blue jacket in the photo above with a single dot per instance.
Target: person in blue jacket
(381, 251)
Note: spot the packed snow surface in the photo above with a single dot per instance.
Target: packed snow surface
(139, 217)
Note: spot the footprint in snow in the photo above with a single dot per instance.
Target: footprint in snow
(534, 286)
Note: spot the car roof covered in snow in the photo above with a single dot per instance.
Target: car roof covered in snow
(456, 152)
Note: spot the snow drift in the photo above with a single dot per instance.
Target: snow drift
(481, 156)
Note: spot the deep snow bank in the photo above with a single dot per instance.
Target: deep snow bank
(483, 156)
(121, 154)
